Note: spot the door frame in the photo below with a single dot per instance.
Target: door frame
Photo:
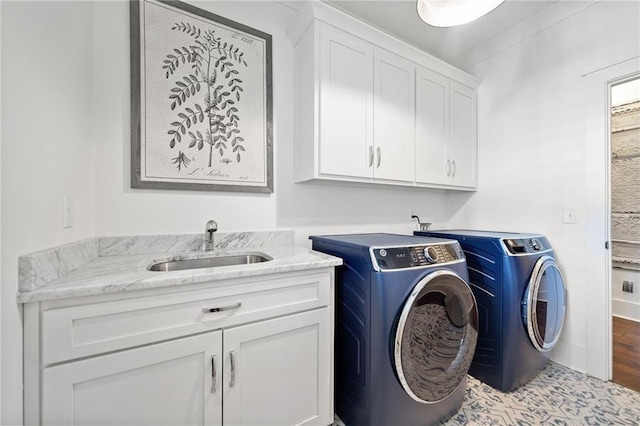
(598, 86)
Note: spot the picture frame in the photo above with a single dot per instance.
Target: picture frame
(201, 100)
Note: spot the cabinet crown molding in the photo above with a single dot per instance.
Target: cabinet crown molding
(315, 10)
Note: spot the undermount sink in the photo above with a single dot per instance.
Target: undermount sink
(208, 262)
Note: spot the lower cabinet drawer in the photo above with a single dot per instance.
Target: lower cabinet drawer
(85, 330)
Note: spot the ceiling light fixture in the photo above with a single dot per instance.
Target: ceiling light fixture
(449, 13)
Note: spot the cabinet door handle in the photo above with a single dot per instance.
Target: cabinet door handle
(448, 167)
(370, 156)
(453, 174)
(379, 156)
(232, 376)
(222, 308)
(214, 375)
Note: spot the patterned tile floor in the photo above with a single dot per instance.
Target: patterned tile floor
(557, 396)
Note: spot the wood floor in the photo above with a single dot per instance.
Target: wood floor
(626, 353)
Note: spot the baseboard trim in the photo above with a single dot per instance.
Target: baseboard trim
(570, 355)
(625, 309)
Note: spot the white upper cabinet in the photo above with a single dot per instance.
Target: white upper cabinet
(371, 108)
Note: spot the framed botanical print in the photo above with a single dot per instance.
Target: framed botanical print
(201, 100)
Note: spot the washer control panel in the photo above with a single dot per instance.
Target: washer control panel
(416, 256)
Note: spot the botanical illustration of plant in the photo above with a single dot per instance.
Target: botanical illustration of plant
(213, 64)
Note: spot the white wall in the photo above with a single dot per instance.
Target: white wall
(67, 131)
(47, 150)
(531, 123)
(122, 211)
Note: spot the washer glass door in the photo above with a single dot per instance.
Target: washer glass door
(436, 337)
(544, 304)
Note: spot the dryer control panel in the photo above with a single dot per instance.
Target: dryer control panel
(527, 245)
(386, 258)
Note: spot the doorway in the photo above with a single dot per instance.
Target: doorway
(598, 84)
(625, 232)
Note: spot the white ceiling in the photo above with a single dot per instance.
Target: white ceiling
(399, 17)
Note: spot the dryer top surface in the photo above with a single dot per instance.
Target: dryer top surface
(483, 234)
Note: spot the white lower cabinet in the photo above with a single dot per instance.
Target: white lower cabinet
(251, 352)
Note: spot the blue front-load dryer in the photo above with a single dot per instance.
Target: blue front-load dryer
(405, 329)
(521, 300)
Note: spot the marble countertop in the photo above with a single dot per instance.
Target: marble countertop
(91, 267)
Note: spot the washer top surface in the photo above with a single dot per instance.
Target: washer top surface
(487, 234)
(379, 240)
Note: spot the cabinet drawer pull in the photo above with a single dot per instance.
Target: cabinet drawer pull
(379, 156)
(214, 375)
(232, 378)
(222, 308)
(370, 156)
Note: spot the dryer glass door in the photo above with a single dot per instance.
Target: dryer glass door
(544, 304)
(436, 337)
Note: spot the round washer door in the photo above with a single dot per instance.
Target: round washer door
(436, 337)
(544, 304)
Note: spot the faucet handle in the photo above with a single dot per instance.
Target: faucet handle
(209, 229)
(212, 226)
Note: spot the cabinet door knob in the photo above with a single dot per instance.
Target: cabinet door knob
(379, 156)
(214, 375)
(232, 376)
(370, 156)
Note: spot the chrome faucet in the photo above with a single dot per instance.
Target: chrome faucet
(212, 226)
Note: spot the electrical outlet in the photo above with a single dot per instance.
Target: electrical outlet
(627, 286)
(67, 212)
(569, 215)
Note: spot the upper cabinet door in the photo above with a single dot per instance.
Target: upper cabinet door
(463, 142)
(394, 108)
(432, 127)
(346, 104)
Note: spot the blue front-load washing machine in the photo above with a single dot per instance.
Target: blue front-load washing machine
(405, 329)
(521, 300)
